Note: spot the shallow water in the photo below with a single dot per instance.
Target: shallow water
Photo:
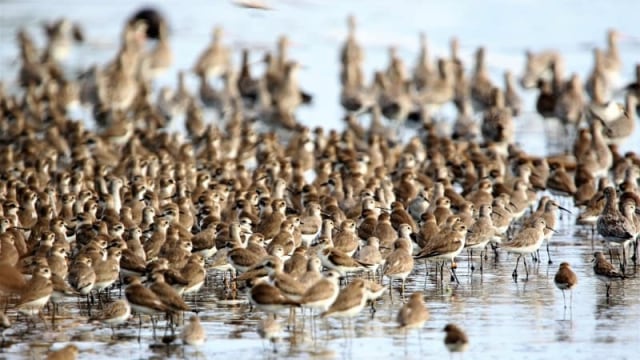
(502, 318)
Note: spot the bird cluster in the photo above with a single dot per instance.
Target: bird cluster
(159, 213)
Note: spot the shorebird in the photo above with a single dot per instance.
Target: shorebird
(193, 333)
(268, 298)
(337, 260)
(526, 241)
(549, 212)
(413, 314)
(114, 314)
(399, 264)
(36, 292)
(481, 85)
(313, 274)
(620, 128)
(323, 293)
(370, 255)
(143, 301)
(349, 302)
(480, 233)
(61, 34)
(215, 60)
(455, 340)
(613, 226)
(604, 271)
(445, 247)
(565, 279)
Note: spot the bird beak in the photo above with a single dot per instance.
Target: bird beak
(564, 209)
(553, 230)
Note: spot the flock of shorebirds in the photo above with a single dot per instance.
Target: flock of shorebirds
(131, 206)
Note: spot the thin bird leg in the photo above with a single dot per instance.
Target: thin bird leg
(548, 253)
(471, 259)
(515, 271)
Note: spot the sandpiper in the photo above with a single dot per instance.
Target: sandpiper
(526, 241)
(445, 247)
(350, 300)
(612, 225)
(604, 271)
(399, 264)
(36, 292)
(142, 300)
(565, 279)
(323, 293)
(481, 232)
(413, 314)
(193, 333)
(337, 260)
(114, 314)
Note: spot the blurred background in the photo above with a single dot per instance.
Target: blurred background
(317, 29)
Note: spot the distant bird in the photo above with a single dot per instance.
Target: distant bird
(193, 333)
(455, 340)
(152, 18)
(413, 314)
(565, 279)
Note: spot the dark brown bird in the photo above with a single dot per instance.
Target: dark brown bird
(565, 279)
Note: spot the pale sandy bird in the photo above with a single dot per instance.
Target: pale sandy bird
(350, 300)
(36, 292)
(323, 293)
(480, 233)
(269, 298)
(619, 129)
(413, 314)
(446, 246)
(193, 333)
(61, 35)
(114, 314)
(525, 242)
(565, 279)
(370, 254)
(399, 264)
(215, 60)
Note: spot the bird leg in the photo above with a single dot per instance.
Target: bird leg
(549, 254)
(471, 259)
(514, 274)
(453, 273)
